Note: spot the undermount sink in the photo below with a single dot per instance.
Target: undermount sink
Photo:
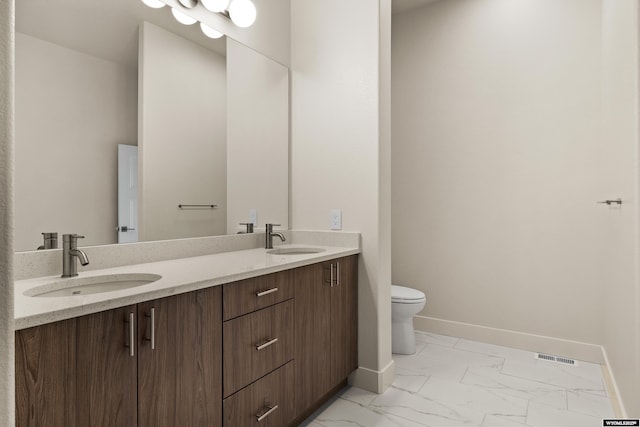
(92, 285)
(295, 251)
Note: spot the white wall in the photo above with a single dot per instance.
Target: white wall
(7, 127)
(182, 137)
(257, 138)
(69, 106)
(510, 120)
(339, 151)
(619, 157)
(496, 120)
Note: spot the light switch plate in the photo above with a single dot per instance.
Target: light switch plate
(335, 221)
(253, 217)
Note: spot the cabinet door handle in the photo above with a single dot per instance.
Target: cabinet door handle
(267, 292)
(132, 331)
(152, 325)
(266, 344)
(153, 328)
(338, 273)
(264, 415)
(332, 276)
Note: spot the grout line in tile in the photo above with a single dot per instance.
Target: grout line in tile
(538, 381)
(383, 412)
(425, 381)
(474, 352)
(466, 371)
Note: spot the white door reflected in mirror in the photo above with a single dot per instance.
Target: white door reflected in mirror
(127, 193)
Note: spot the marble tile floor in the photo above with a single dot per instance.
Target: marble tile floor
(456, 382)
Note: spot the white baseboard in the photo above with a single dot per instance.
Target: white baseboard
(576, 350)
(372, 380)
(612, 388)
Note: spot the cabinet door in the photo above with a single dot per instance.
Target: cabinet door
(179, 361)
(344, 319)
(312, 335)
(46, 375)
(106, 369)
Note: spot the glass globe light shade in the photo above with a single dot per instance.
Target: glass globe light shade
(156, 4)
(210, 32)
(183, 18)
(243, 13)
(215, 5)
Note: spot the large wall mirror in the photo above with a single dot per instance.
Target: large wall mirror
(133, 127)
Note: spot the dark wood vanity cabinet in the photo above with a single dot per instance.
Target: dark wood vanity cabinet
(179, 360)
(258, 351)
(266, 402)
(45, 375)
(101, 369)
(326, 332)
(106, 372)
(76, 372)
(256, 344)
(286, 340)
(312, 342)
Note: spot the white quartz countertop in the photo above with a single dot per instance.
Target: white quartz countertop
(178, 276)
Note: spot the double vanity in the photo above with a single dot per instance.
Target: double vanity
(246, 337)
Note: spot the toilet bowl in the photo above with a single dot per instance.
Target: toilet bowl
(405, 303)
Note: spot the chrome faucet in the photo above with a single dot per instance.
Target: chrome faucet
(50, 241)
(69, 253)
(248, 228)
(269, 236)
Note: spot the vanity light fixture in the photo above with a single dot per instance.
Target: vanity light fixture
(210, 32)
(243, 13)
(156, 4)
(215, 5)
(183, 18)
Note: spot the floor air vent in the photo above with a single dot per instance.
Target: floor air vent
(558, 359)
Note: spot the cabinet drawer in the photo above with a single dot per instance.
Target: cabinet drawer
(249, 295)
(268, 402)
(256, 344)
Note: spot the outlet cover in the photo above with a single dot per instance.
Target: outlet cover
(335, 220)
(253, 217)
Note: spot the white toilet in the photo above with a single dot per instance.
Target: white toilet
(405, 303)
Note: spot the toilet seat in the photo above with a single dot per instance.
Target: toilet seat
(404, 295)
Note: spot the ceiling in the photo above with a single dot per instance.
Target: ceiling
(106, 29)
(399, 6)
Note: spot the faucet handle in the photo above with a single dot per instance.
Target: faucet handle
(275, 225)
(71, 237)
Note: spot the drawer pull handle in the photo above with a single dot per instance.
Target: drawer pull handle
(267, 344)
(264, 415)
(267, 292)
